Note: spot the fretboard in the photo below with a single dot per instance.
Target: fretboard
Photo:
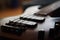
(49, 8)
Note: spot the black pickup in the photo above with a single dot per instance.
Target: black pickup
(31, 19)
(28, 24)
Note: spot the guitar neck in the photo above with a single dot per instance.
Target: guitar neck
(49, 8)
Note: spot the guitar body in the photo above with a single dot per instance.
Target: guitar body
(46, 25)
(42, 25)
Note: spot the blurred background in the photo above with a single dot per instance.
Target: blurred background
(15, 3)
(16, 7)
